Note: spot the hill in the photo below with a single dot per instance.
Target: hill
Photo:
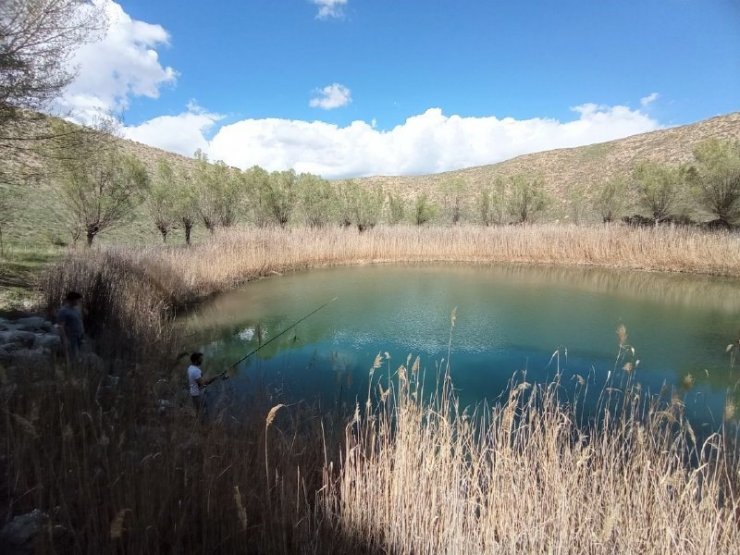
(570, 174)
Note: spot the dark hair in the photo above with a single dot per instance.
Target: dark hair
(196, 358)
(72, 296)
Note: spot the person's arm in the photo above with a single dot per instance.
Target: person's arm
(205, 382)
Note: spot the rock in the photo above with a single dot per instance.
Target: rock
(49, 341)
(25, 338)
(18, 535)
(32, 323)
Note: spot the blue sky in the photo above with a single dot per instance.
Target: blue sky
(408, 86)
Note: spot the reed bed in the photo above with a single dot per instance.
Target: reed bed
(524, 477)
(409, 474)
(234, 256)
(157, 281)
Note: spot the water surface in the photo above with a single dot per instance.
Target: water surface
(508, 318)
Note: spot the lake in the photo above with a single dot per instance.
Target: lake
(509, 318)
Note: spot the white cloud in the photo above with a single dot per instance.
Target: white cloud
(183, 133)
(122, 64)
(331, 97)
(649, 99)
(329, 9)
(426, 143)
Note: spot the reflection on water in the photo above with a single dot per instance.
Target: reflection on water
(509, 318)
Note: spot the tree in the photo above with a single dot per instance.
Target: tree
(204, 179)
(186, 205)
(99, 185)
(492, 202)
(527, 197)
(454, 192)
(657, 188)
(37, 41)
(280, 196)
(423, 209)
(396, 209)
(8, 201)
(367, 207)
(609, 198)
(162, 198)
(360, 205)
(715, 178)
(316, 199)
(256, 182)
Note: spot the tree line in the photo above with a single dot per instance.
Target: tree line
(101, 186)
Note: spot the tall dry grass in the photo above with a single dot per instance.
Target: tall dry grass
(117, 475)
(234, 256)
(524, 477)
(139, 286)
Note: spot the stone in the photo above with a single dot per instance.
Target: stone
(49, 341)
(32, 323)
(25, 338)
(18, 535)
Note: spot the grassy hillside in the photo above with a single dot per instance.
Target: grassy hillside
(570, 174)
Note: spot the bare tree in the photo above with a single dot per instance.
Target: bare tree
(37, 41)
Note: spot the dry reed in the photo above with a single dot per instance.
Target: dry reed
(415, 477)
(523, 477)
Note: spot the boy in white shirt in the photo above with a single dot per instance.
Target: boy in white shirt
(196, 382)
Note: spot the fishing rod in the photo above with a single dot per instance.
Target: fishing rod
(266, 343)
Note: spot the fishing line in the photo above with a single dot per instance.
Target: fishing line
(286, 330)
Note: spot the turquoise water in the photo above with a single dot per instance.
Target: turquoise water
(541, 320)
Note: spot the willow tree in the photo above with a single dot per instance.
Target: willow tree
(99, 185)
(280, 194)
(526, 197)
(609, 198)
(658, 188)
(317, 200)
(715, 178)
(162, 198)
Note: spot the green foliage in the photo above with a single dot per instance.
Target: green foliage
(317, 200)
(359, 205)
(715, 178)
(256, 183)
(220, 190)
(657, 188)
(454, 198)
(162, 199)
(609, 199)
(396, 209)
(526, 198)
(279, 195)
(491, 202)
(98, 185)
(424, 210)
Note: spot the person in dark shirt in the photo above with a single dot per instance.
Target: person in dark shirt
(70, 324)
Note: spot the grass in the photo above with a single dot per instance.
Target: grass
(408, 473)
(525, 477)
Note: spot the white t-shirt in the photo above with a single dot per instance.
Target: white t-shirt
(194, 374)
